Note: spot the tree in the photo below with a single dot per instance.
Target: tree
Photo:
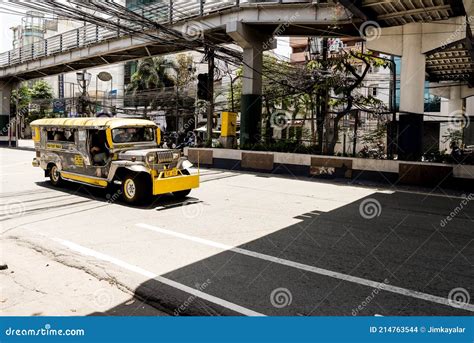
(185, 71)
(339, 76)
(41, 97)
(300, 91)
(279, 96)
(148, 81)
(19, 103)
(22, 98)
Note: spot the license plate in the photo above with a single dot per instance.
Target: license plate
(171, 173)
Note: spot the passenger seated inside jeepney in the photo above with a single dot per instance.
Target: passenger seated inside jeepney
(98, 150)
(59, 137)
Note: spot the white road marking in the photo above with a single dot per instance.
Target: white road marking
(316, 270)
(221, 302)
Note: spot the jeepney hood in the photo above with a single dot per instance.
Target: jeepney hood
(140, 152)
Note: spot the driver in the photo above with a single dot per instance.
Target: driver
(122, 136)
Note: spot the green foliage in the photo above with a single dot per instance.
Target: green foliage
(41, 91)
(155, 75)
(22, 96)
(376, 136)
(185, 71)
(276, 85)
(150, 75)
(453, 136)
(41, 96)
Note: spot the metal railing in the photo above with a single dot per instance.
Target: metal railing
(162, 13)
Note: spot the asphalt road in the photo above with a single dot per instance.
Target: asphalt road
(252, 244)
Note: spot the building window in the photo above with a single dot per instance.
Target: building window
(373, 90)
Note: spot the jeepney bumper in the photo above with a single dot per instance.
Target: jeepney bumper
(175, 184)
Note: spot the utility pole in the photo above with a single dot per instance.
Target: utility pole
(322, 101)
(210, 110)
(177, 105)
(84, 92)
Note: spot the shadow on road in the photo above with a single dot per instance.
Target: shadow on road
(112, 195)
(400, 239)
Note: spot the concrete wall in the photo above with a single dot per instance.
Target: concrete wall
(385, 171)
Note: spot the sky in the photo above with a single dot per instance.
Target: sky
(7, 21)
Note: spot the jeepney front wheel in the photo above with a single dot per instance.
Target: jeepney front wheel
(136, 188)
(185, 193)
(55, 176)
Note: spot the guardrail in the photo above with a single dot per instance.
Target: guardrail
(162, 13)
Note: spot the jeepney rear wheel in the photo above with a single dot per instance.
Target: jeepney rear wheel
(185, 193)
(136, 188)
(55, 176)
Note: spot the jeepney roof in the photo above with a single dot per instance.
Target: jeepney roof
(93, 122)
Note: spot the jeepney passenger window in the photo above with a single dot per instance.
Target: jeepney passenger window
(60, 135)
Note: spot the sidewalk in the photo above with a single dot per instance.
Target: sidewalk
(37, 285)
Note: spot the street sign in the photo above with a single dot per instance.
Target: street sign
(59, 106)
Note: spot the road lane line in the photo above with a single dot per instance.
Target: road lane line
(221, 302)
(315, 270)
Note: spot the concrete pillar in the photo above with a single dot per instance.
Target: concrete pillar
(5, 129)
(252, 43)
(456, 102)
(412, 94)
(412, 42)
(412, 78)
(251, 99)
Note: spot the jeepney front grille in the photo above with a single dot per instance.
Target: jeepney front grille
(164, 157)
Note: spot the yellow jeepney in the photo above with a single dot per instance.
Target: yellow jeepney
(102, 152)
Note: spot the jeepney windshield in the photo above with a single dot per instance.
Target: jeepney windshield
(133, 134)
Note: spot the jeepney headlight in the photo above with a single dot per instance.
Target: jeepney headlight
(151, 158)
(176, 155)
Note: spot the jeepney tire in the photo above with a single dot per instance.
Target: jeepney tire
(54, 176)
(136, 188)
(185, 193)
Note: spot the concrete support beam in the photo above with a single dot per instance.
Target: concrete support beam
(434, 35)
(456, 102)
(5, 94)
(251, 102)
(445, 92)
(412, 79)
